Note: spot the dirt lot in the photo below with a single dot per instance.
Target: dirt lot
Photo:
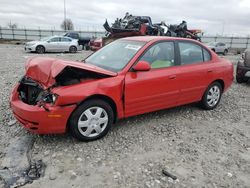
(202, 148)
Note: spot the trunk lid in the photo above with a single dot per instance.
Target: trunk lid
(44, 70)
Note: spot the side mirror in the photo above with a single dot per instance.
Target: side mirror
(142, 66)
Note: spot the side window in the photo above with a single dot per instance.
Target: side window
(74, 35)
(190, 53)
(160, 55)
(56, 39)
(65, 40)
(206, 55)
(221, 44)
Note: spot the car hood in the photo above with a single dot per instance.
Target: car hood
(209, 46)
(32, 42)
(45, 70)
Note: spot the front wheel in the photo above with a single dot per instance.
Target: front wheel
(212, 96)
(91, 120)
(40, 49)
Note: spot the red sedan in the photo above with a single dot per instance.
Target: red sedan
(128, 77)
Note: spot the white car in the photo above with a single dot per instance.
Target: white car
(53, 44)
(218, 47)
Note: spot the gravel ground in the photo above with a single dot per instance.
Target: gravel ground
(201, 148)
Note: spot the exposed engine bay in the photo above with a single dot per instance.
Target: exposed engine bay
(32, 93)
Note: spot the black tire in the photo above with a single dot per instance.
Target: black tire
(72, 49)
(40, 49)
(205, 103)
(241, 79)
(225, 52)
(77, 115)
(87, 47)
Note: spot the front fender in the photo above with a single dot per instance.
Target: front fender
(75, 94)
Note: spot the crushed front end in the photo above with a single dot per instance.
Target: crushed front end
(34, 108)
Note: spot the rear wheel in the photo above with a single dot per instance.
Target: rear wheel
(72, 49)
(212, 96)
(40, 49)
(91, 120)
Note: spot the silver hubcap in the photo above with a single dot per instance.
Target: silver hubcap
(93, 121)
(213, 96)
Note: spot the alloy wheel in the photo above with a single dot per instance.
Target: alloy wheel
(213, 96)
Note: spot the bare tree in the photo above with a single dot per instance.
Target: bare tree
(12, 25)
(67, 24)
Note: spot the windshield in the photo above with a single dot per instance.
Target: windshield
(116, 55)
(45, 39)
(211, 44)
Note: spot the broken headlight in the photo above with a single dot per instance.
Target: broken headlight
(50, 98)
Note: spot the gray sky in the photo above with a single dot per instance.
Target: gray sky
(209, 15)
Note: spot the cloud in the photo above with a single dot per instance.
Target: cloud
(213, 16)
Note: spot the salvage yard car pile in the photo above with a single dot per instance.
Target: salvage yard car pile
(140, 26)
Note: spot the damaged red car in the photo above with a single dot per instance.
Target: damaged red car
(127, 77)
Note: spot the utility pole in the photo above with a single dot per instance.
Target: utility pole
(64, 15)
(223, 28)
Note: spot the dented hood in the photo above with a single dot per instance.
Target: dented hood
(44, 70)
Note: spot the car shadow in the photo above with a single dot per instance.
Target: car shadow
(126, 123)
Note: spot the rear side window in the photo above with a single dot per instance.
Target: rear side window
(56, 39)
(65, 40)
(74, 35)
(206, 54)
(192, 53)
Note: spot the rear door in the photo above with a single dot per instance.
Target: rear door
(155, 89)
(65, 43)
(195, 71)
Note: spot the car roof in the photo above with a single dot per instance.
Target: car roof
(60, 36)
(154, 38)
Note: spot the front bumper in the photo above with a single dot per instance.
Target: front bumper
(29, 48)
(36, 119)
(243, 71)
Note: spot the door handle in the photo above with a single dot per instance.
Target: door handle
(210, 70)
(172, 77)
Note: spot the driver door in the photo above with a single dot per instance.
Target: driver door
(156, 89)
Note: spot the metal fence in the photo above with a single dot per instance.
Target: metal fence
(34, 34)
(232, 42)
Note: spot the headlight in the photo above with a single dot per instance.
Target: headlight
(50, 98)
